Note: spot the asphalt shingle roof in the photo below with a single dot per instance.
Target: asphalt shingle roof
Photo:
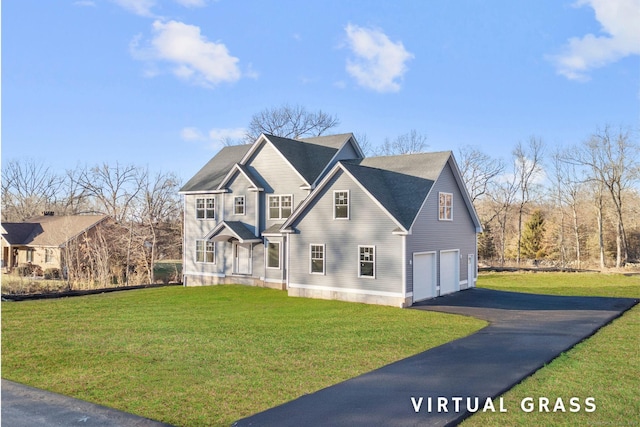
(400, 183)
(49, 230)
(211, 175)
(238, 230)
(307, 157)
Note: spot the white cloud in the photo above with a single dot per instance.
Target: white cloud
(191, 134)
(378, 62)
(191, 3)
(139, 7)
(620, 21)
(216, 138)
(222, 135)
(144, 7)
(194, 58)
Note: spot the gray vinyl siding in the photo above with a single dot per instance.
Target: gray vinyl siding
(347, 152)
(195, 229)
(239, 186)
(277, 177)
(368, 225)
(431, 234)
(272, 273)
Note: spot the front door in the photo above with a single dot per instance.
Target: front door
(242, 258)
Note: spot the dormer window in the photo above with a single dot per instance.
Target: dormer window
(341, 204)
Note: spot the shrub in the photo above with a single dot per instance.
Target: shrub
(52, 273)
(24, 270)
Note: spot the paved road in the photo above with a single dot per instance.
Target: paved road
(24, 406)
(525, 332)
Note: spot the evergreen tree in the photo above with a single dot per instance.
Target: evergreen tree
(531, 245)
(486, 245)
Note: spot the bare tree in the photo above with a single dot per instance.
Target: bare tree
(528, 168)
(290, 122)
(112, 187)
(478, 170)
(407, 143)
(29, 187)
(364, 143)
(613, 159)
(569, 189)
(159, 205)
(503, 195)
(73, 198)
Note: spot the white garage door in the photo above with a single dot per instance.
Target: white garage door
(424, 275)
(449, 272)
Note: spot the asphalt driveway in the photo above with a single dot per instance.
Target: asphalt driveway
(525, 332)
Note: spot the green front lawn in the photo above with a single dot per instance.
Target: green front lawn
(210, 355)
(605, 366)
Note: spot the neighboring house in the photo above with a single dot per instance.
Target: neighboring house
(40, 241)
(314, 217)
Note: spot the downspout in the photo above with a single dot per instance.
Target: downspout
(404, 269)
(184, 240)
(286, 259)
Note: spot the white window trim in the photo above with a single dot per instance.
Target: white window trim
(375, 259)
(279, 196)
(324, 259)
(204, 251)
(244, 205)
(440, 194)
(205, 217)
(348, 203)
(266, 262)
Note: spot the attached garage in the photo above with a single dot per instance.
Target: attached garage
(424, 275)
(449, 271)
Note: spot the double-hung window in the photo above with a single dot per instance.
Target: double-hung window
(30, 255)
(367, 261)
(238, 205)
(205, 208)
(48, 256)
(205, 251)
(341, 204)
(317, 259)
(273, 255)
(280, 206)
(445, 206)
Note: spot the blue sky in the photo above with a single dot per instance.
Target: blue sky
(159, 82)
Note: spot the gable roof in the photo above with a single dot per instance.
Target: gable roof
(213, 173)
(308, 157)
(399, 184)
(52, 231)
(232, 229)
(243, 170)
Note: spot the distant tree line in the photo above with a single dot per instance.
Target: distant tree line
(577, 207)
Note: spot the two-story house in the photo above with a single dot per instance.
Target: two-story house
(315, 217)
